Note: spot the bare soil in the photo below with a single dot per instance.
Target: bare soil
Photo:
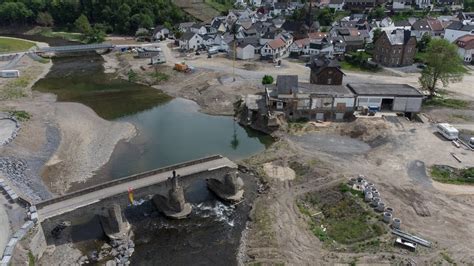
(425, 210)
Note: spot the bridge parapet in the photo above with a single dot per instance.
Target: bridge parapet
(75, 48)
(126, 180)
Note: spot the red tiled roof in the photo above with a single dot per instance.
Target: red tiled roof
(302, 42)
(466, 42)
(275, 44)
(435, 25)
(317, 35)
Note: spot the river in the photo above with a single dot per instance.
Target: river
(169, 131)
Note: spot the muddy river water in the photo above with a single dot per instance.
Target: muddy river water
(170, 131)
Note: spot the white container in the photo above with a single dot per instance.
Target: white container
(9, 73)
(448, 131)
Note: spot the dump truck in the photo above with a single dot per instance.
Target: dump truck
(182, 67)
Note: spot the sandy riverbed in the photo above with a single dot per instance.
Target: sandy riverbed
(87, 142)
(69, 139)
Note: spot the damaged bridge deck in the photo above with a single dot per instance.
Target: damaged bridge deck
(57, 206)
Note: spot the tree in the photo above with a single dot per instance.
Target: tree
(82, 24)
(325, 16)
(45, 19)
(422, 45)
(14, 12)
(267, 79)
(442, 64)
(378, 13)
(377, 34)
(96, 34)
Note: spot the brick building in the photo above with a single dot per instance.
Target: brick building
(395, 49)
(325, 71)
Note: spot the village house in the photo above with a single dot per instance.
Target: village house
(198, 28)
(299, 47)
(458, 29)
(320, 47)
(275, 48)
(359, 4)
(466, 47)
(160, 33)
(325, 71)
(185, 26)
(423, 4)
(395, 49)
(337, 5)
(420, 28)
(401, 4)
(190, 41)
(243, 51)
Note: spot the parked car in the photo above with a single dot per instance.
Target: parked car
(471, 142)
(213, 50)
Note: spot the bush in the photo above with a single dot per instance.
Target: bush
(132, 76)
(267, 79)
(361, 60)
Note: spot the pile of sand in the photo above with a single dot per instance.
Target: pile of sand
(275, 171)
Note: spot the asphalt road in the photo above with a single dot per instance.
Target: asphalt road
(95, 196)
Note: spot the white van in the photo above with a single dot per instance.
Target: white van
(448, 131)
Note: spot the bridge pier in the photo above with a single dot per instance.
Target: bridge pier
(115, 225)
(229, 188)
(174, 204)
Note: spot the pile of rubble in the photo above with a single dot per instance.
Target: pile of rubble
(14, 169)
(117, 253)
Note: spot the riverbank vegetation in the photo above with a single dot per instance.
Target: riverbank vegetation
(11, 45)
(450, 175)
(123, 17)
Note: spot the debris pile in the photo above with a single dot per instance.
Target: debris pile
(117, 253)
(14, 169)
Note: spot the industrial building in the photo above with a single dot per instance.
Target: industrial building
(387, 97)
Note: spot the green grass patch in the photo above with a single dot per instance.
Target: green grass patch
(15, 88)
(31, 259)
(449, 175)
(159, 77)
(10, 45)
(447, 258)
(346, 188)
(300, 169)
(343, 218)
(351, 67)
(447, 102)
(20, 115)
(70, 36)
(220, 5)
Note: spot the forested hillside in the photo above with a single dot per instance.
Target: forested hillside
(119, 16)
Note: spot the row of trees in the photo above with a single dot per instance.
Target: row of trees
(119, 16)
